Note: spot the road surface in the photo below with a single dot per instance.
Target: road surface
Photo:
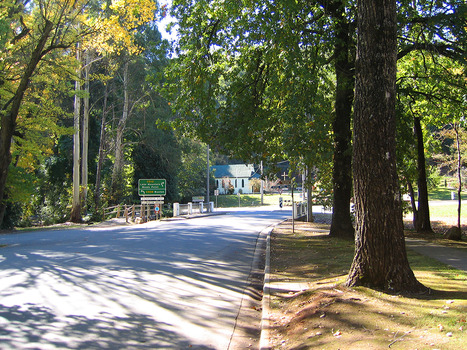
(161, 285)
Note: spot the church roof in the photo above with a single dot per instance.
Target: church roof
(235, 171)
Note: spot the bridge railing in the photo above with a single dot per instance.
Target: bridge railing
(130, 212)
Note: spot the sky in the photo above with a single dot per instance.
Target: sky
(162, 25)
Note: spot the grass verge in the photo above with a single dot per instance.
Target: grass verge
(444, 193)
(249, 200)
(327, 315)
(441, 210)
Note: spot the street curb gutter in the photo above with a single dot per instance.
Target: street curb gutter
(264, 339)
(264, 342)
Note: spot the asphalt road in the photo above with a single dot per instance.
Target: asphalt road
(161, 285)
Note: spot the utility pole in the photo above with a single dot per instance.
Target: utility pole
(207, 182)
(309, 194)
(292, 183)
(262, 183)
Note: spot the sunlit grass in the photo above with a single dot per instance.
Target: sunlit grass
(366, 318)
(438, 210)
(444, 193)
(249, 200)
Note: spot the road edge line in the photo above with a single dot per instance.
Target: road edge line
(264, 342)
(264, 338)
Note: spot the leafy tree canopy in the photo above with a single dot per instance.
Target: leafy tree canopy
(250, 78)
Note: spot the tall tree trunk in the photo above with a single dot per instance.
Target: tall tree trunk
(85, 131)
(341, 225)
(422, 222)
(412, 202)
(100, 160)
(117, 173)
(380, 259)
(9, 111)
(76, 203)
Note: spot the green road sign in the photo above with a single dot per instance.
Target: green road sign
(152, 187)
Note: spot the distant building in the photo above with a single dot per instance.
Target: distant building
(231, 179)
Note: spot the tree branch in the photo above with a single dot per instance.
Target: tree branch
(24, 31)
(449, 51)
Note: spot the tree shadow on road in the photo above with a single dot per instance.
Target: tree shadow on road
(134, 288)
(36, 327)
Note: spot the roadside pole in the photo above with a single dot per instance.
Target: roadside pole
(293, 207)
(207, 182)
(262, 184)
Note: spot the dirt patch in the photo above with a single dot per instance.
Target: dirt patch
(312, 309)
(337, 318)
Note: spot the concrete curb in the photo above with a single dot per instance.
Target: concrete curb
(264, 342)
(264, 339)
(195, 216)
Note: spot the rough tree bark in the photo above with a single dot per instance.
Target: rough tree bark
(413, 204)
(422, 218)
(75, 215)
(117, 172)
(85, 131)
(100, 161)
(380, 259)
(341, 225)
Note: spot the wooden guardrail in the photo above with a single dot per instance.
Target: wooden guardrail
(111, 211)
(124, 211)
(129, 212)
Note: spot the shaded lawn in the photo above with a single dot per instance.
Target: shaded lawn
(330, 316)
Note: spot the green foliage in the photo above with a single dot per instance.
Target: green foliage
(449, 159)
(444, 193)
(20, 190)
(431, 76)
(21, 184)
(151, 163)
(437, 27)
(39, 128)
(192, 175)
(49, 204)
(251, 78)
(33, 70)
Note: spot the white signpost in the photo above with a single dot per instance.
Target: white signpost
(216, 193)
(152, 200)
(147, 189)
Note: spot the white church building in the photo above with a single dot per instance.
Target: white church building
(234, 178)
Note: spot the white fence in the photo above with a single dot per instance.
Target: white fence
(145, 211)
(192, 208)
(299, 209)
